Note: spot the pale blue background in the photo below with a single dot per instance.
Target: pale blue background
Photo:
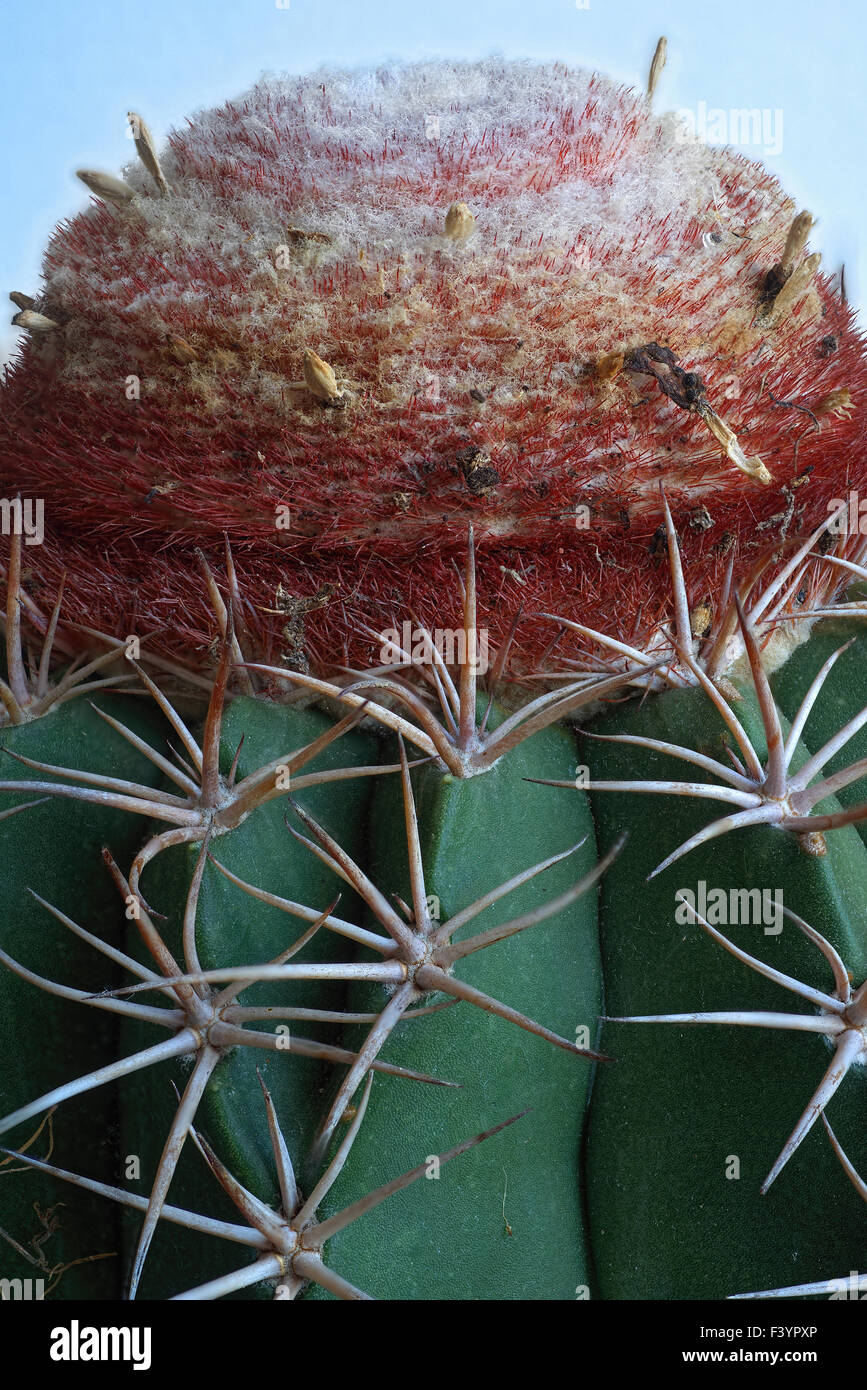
(72, 70)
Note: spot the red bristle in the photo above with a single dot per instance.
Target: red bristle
(509, 326)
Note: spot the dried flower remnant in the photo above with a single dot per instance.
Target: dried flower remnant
(656, 66)
(147, 151)
(34, 322)
(320, 377)
(795, 243)
(837, 402)
(459, 222)
(106, 186)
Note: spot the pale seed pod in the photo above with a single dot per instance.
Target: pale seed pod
(320, 377)
(794, 286)
(34, 323)
(459, 222)
(753, 467)
(796, 240)
(180, 349)
(106, 186)
(837, 402)
(656, 67)
(147, 151)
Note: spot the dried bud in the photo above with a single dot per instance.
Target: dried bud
(33, 322)
(796, 240)
(147, 150)
(701, 519)
(320, 377)
(794, 287)
(700, 619)
(838, 402)
(106, 186)
(656, 67)
(481, 477)
(459, 222)
(298, 236)
(180, 349)
(22, 301)
(608, 366)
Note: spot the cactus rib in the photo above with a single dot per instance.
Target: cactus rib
(291, 1239)
(766, 795)
(203, 1027)
(842, 1018)
(829, 1286)
(423, 945)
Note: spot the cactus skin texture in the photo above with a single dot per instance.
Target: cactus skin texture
(666, 1220)
(464, 1247)
(234, 927)
(306, 804)
(54, 850)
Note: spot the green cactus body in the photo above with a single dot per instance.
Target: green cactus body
(234, 928)
(683, 1125)
(54, 849)
(686, 1125)
(507, 1221)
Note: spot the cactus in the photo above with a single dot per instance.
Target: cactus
(330, 379)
